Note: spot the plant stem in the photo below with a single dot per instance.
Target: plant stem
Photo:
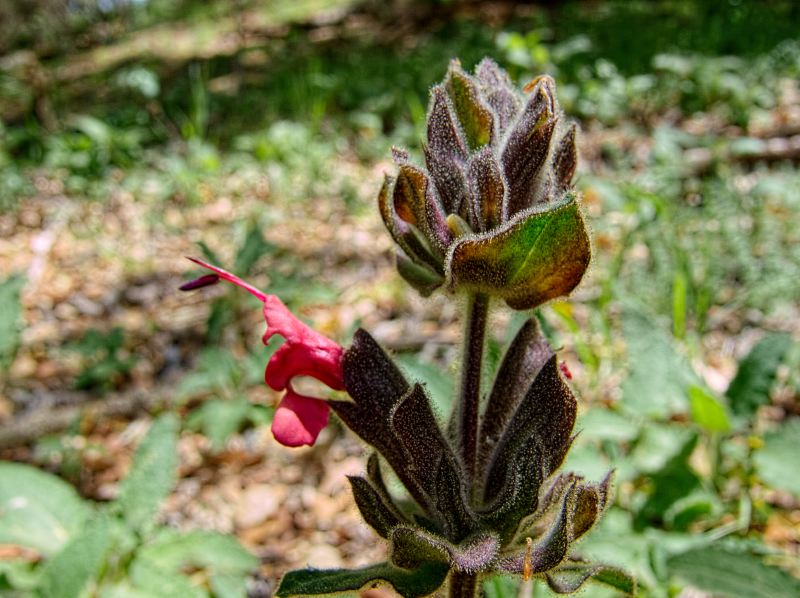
(472, 369)
(463, 585)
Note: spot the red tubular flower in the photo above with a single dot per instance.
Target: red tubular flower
(299, 419)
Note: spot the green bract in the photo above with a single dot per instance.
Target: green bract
(494, 210)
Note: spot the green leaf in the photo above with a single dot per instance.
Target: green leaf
(571, 576)
(669, 485)
(20, 575)
(776, 462)
(10, 312)
(38, 510)
(326, 582)
(438, 384)
(707, 412)
(732, 575)
(157, 582)
(153, 473)
(174, 551)
(751, 386)
(219, 419)
(658, 375)
(501, 586)
(537, 256)
(68, 572)
(475, 118)
(254, 246)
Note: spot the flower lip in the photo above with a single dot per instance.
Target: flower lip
(305, 352)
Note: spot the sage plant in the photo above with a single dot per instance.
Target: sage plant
(492, 217)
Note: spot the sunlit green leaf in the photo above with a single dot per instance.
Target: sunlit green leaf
(709, 413)
(327, 582)
(10, 312)
(535, 258)
(38, 510)
(751, 387)
(776, 462)
(153, 473)
(69, 571)
(733, 575)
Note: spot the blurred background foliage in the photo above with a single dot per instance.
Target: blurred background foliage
(683, 342)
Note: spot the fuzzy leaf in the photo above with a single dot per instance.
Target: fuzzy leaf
(551, 549)
(380, 516)
(536, 257)
(590, 501)
(376, 386)
(545, 416)
(523, 360)
(415, 204)
(475, 118)
(153, 473)
(430, 460)
(499, 92)
(487, 190)
(751, 387)
(397, 420)
(527, 147)
(407, 236)
(413, 546)
(445, 152)
(326, 582)
(517, 497)
(420, 276)
(71, 570)
(570, 576)
(565, 160)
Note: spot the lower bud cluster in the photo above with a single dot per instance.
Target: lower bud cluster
(479, 524)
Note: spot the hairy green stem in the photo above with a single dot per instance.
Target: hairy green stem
(471, 372)
(463, 585)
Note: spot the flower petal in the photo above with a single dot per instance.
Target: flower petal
(299, 419)
(306, 352)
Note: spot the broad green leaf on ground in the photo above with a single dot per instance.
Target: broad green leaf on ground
(153, 473)
(159, 565)
(658, 376)
(527, 262)
(732, 575)
(78, 563)
(604, 424)
(38, 510)
(658, 445)
(156, 582)
(20, 575)
(219, 419)
(615, 542)
(10, 314)
(751, 387)
(707, 411)
(776, 461)
(327, 582)
(219, 553)
(122, 589)
(675, 481)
